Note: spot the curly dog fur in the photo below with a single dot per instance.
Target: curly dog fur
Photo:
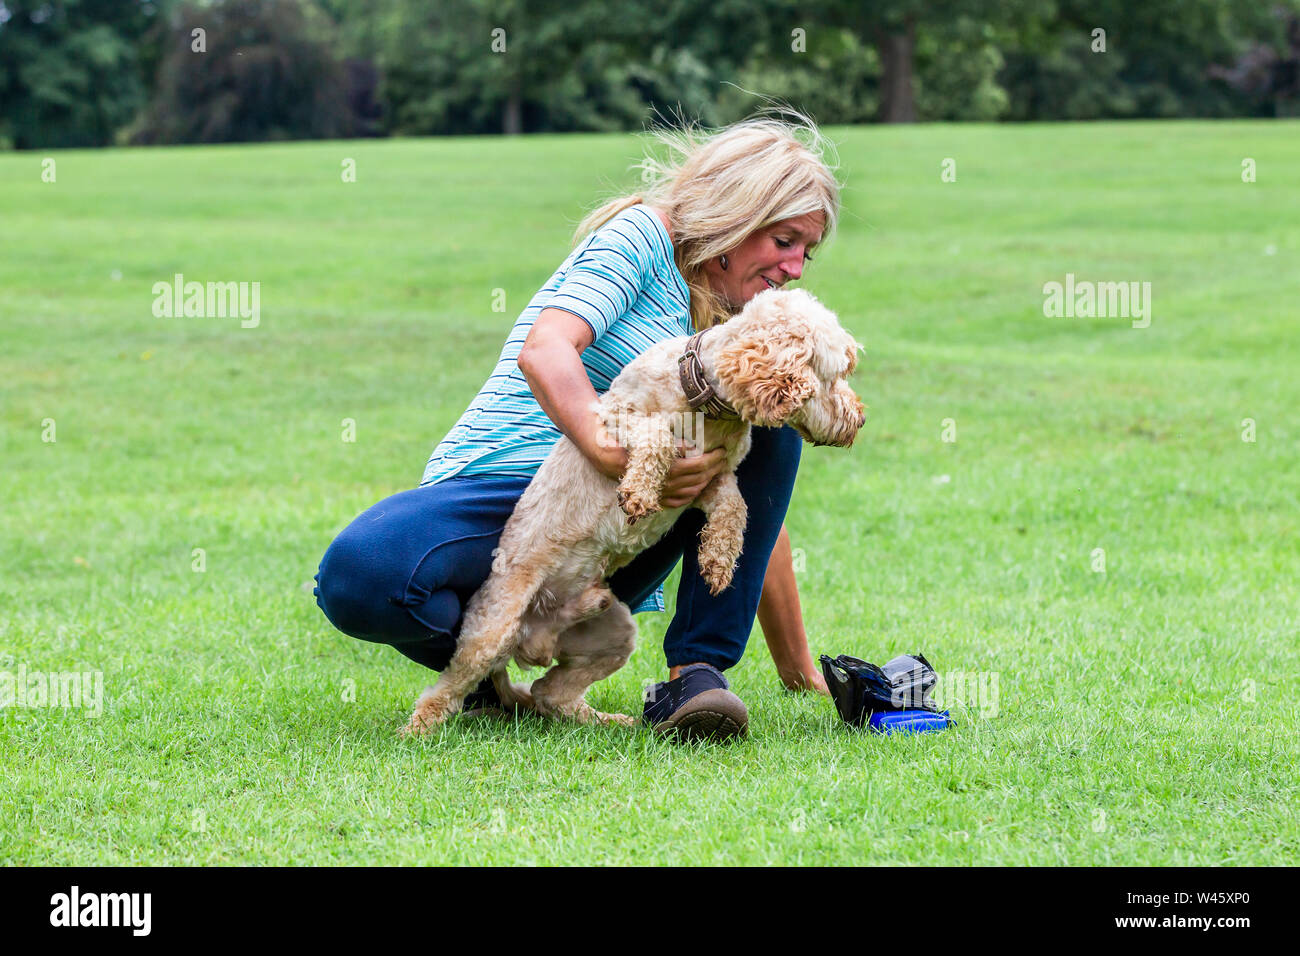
(782, 361)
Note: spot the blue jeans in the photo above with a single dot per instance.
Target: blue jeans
(404, 570)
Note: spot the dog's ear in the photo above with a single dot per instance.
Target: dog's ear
(852, 350)
(767, 375)
(777, 398)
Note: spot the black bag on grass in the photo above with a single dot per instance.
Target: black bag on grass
(860, 688)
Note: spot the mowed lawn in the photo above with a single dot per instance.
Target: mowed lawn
(1141, 714)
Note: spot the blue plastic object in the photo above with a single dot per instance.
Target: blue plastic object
(908, 721)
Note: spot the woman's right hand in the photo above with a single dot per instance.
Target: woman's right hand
(609, 457)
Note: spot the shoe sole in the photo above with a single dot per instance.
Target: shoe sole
(715, 715)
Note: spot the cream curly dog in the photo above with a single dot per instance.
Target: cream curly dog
(782, 361)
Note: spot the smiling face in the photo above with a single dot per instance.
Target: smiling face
(769, 258)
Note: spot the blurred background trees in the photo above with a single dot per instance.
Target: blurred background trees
(247, 70)
(96, 72)
(71, 74)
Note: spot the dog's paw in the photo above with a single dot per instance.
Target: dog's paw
(427, 716)
(636, 506)
(412, 729)
(619, 720)
(519, 696)
(418, 726)
(717, 574)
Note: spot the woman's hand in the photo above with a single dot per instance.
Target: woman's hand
(804, 680)
(609, 457)
(687, 476)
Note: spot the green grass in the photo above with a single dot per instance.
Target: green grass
(1146, 715)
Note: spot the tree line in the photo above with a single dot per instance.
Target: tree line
(102, 72)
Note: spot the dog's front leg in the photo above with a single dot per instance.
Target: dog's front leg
(650, 454)
(724, 530)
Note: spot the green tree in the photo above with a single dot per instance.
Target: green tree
(70, 70)
(1158, 59)
(896, 27)
(474, 66)
(246, 70)
(833, 77)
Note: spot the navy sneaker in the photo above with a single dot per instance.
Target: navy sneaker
(483, 699)
(697, 705)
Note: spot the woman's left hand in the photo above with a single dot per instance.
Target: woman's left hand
(688, 477)
(809, 680)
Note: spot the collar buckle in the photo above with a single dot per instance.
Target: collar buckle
(695, 385)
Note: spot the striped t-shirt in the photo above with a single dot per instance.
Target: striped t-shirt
(622, 281)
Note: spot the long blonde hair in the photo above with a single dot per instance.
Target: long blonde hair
(718, 187)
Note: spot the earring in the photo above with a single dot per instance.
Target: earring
(722, 261)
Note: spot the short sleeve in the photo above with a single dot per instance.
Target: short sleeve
(609, 272)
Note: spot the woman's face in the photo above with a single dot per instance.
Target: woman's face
(769, 258)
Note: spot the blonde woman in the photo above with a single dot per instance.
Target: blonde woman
(727, 215)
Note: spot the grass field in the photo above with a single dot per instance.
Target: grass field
(1145, 714)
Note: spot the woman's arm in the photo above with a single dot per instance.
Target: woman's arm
(782, 621)
(551, 361)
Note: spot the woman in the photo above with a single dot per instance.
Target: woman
(729, 215)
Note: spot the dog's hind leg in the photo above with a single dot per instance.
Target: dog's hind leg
(537, 644)
(488, 638)
(512, 694)
(587, 652)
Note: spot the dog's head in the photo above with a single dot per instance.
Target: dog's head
(786, 362)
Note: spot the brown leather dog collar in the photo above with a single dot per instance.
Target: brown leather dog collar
(700, 395)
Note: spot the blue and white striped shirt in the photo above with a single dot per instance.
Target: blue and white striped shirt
(622, 281)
